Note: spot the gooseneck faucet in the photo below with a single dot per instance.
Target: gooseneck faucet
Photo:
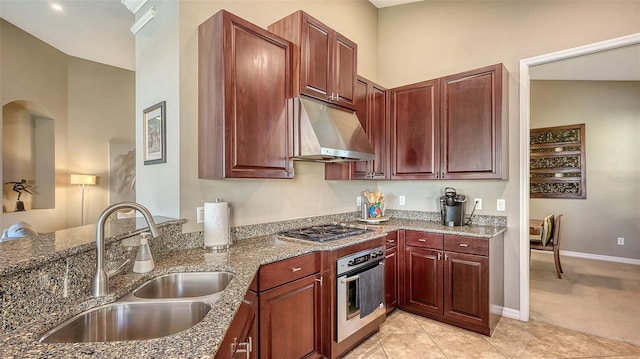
(101, 279)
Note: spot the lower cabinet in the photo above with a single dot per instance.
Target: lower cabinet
(453, 279)
(391, 272)
(241, 340)
(290, 308)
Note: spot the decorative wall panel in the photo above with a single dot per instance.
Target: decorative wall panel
(557, 162)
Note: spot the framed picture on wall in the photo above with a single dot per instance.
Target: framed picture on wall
(154, 132)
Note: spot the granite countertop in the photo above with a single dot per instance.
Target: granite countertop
(202, 340)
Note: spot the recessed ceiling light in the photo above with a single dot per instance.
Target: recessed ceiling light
(56, 7)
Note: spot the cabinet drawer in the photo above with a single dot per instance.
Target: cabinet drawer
(275, 274)
(423, 239)
(462, 244)
(392, 239)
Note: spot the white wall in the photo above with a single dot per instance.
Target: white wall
(610, 111)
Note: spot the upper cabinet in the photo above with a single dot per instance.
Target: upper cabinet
(326, 60)
(371, 109)
(451, 128)
(245, 127)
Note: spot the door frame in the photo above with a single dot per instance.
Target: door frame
(525, 83)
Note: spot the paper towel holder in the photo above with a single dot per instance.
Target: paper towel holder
(225, 246)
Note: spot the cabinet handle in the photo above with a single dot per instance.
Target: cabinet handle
(295, 269)
(422, 240)
(463, 245)
(319, 280)
(331, 97)
(390, 240)
(446, 257)
(246, 348)
(439, 256)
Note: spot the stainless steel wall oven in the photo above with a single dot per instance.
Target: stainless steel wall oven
(360, 290)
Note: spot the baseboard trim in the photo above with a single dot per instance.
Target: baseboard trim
(511, 313)
(598, 257)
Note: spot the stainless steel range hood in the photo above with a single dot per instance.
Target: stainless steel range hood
(327, 134)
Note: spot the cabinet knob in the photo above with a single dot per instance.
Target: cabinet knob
(296, 269)
(390, 240)
(463, 245)
(423, 240)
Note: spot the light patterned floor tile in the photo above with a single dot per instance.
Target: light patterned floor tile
(399, 322)
(410, 346)
(618, 347)
(571, 344)
(521, 344)
(369, 349)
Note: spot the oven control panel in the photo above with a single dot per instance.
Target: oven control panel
(360, 259)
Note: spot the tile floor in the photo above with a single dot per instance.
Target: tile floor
(407, 336)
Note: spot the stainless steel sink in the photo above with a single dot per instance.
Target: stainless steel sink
(184, 285)
(128, 321)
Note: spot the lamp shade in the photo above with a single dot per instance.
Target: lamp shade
(83, 179)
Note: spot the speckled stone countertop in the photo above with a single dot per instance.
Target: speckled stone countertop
(202, 340)
(25, 253)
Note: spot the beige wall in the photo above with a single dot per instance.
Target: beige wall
(90, 104)
(611, 114)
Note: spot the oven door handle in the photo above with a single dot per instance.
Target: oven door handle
(349, 279)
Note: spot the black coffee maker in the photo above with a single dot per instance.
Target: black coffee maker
(452, 207)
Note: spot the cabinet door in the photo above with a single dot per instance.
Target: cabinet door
(344, 72)
(391, 278)
(242, 333)
(361, 169)
(423, 279)
(466, 288)
(245, 126)
(290, 319)
(377, 130)
(415, 131)
(316, 51)
(472, 106)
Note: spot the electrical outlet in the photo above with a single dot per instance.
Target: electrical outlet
(500, 205)
(199, 214)
(358, 201)
(478, 203)
(401, 200)
(620, 241)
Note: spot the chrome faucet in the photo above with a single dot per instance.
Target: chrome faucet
(101, 278)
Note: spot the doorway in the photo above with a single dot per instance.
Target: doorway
(524, 81)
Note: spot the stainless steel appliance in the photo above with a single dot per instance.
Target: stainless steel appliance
(452, 208)
(322, 233)
(360, 291)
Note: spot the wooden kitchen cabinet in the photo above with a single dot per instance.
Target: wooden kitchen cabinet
(326, 60)
(391, 272)
(290, 308)
(452, 127)
(415, 131)
(245, 122)
(371, 109)
(423, 273)
(242, 335)
(454, 279)
(474, 110)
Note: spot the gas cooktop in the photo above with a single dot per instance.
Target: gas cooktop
(322, 233)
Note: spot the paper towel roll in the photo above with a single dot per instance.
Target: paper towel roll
(216, 225)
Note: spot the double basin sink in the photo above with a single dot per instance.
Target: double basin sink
(162, 306)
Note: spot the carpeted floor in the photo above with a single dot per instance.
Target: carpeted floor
(594, 297)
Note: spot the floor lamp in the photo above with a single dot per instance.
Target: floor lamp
(84, 181)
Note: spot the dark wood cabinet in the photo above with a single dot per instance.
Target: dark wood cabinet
(391, 271)
(326, 60)
(473, 109)
(290, 308)
(453, 279)
(371, 109)
(245, 125)
(452, 127)
(415, 131)
(241, 340)
(423, 272)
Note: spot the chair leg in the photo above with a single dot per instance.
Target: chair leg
(556, 259)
